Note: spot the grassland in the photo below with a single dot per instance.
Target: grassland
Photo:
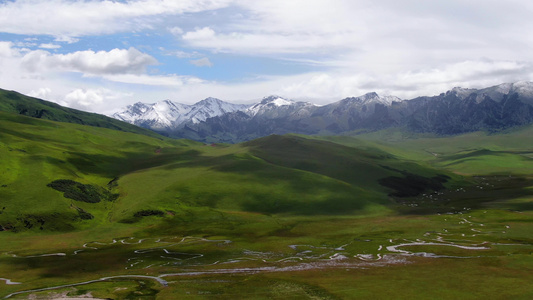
(375, 216)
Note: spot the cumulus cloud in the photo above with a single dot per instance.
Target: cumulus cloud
(347, 48)
(386, 36)
(116, 61)
(200, 34)
(85, 97)
(202, 62)
(7, 49)
(408, 85)
(42, 93)
(176, 30)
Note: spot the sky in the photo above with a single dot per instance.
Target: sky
(101, 55)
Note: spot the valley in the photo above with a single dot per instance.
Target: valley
(224, 149)
(325, 217)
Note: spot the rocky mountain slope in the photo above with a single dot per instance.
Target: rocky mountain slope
(456, 111)
(166, 115)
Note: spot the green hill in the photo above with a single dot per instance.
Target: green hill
(37, 152)
(277, 217)
(61, 174)
(13, 102)
(477, 153)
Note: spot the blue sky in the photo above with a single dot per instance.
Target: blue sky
(102, 55)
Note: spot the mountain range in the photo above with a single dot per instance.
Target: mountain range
(456, 111)
(276, 217)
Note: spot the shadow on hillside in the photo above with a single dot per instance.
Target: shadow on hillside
(26, 135)
(113, 166)
(268, 188)
(488, 191)
(426, 195)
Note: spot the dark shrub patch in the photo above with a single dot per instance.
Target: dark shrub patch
(84, 215)
(412, 185)
(142, 213)
(148, 212)
(82, 192)
(49, 221)
(113, 183)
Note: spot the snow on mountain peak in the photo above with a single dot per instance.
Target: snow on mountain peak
(209, 101)
(211, 107)
(524, 88)
(373, 97)
(276, 100)
(268, 103)
(280, 102)
(168, 114)
(462, 92)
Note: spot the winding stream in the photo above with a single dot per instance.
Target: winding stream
(158, 279)
(9, 282)
(358, 253)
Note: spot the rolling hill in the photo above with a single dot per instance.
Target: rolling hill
(13, 102)
(65, 173)
(116, 214)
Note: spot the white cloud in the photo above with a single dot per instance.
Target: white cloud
(200, 34)
(405, 48)
(49, 46)
(153, 80)
(246, 43)
(66, 39)
(296, 26)
(326, 87)
(115, 61)
(85, 97)
(25, 45)
(365, 35)
(74, 18)
(176, 30)
(180, 54)
(408, 85)
(42, 93)
(7, 49)
(202, 62)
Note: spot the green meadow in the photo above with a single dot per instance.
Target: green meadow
(91, 211)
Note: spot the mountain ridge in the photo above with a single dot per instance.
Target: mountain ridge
(458, 110)
(168, 115)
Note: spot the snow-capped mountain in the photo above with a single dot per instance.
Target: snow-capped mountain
(160, 115)
(523, 88)
(268, 103)
(365, 104)
(211, 107)
(168, 115)
(456, 111)
(373, 98)
(275, 106)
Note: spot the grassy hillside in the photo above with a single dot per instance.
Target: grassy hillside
(13, 102)
(278, 217)
(37, 152)
(60, 176)
(477, 153)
